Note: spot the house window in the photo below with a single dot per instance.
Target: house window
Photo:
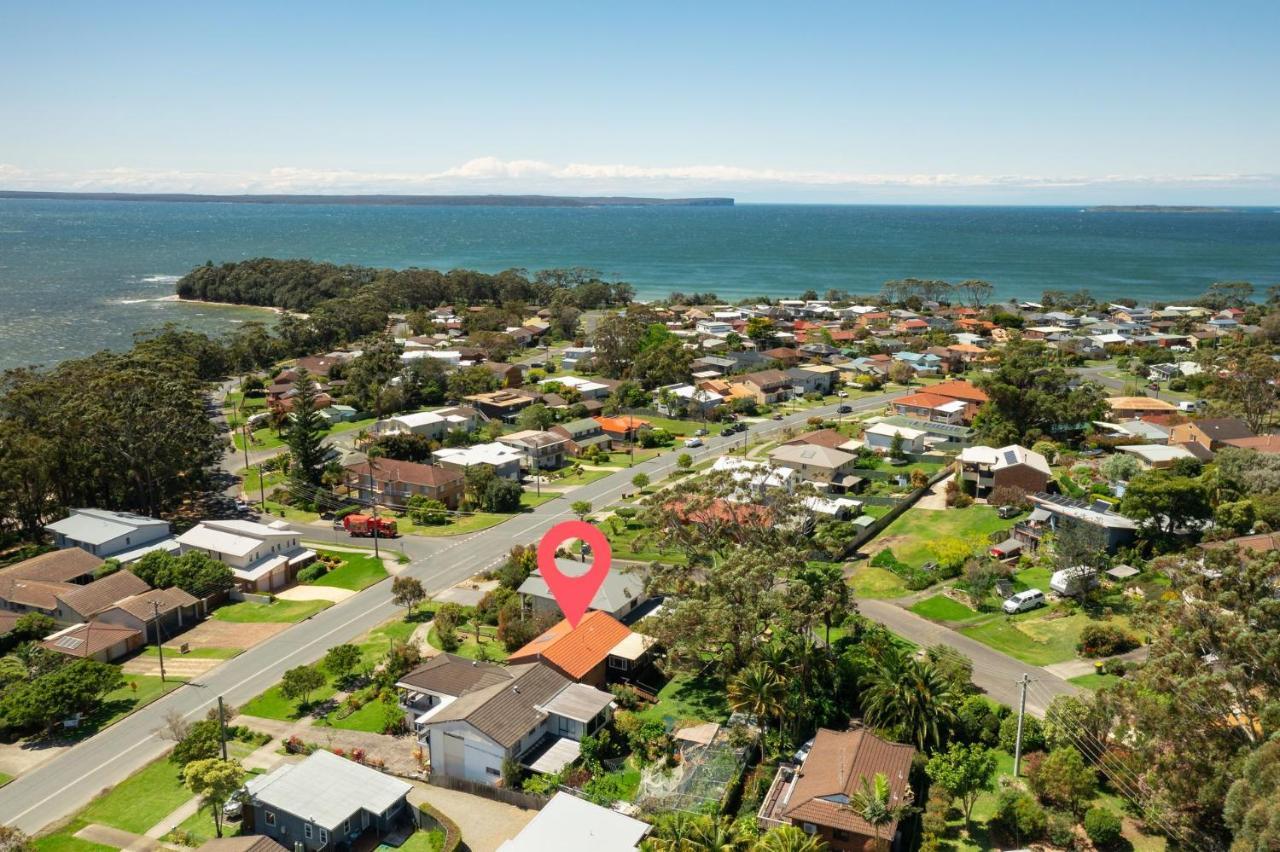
(809, 828)
(306, 831)
(324, 837)
(271, 817)
(617, 663)
(841, 834)
(346, 826)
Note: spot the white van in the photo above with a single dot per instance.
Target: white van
(1190, 406)
(1023, 601)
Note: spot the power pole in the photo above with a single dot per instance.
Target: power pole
(375, 529)
(222, 727)
(155, 606)
(1022, 712)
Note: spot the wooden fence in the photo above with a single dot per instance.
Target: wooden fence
(889, 517)
(518, 798)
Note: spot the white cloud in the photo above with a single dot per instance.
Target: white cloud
(492, 174)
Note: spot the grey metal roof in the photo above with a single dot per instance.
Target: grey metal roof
(447, 674)
(618, 589)
(98, 526)
(326, 789)
(506, 712)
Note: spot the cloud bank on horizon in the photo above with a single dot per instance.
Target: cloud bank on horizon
(493, 175)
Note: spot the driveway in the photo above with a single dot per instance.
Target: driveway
(995, 673)
(213, 633)
(314, 593)
(485, 824)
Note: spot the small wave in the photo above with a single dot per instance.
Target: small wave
(161, 279)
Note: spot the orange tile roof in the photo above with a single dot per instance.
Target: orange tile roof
(923, 400)
(575, 651)
(622, 423)
(959, 389)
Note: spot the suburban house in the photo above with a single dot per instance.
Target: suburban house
(1258, 443)
(686, 400)
(538, 450)
(505, 461)
(832, 438)
(816, 378)
(80, 603)
(755, 477)
(622, 428)
(1130, 407)
(879, 437)
(393, 483)
(1159, 456)
(958, 389)
(931, 407)
(586, 388)
(574, 356)
(1212, 433)
(582, 434)
(814, 795)
(1014, 466)
(119, 535)
(766, 386)
(433, 424)
(173, 609)
(1054, 510)
(471, 716)
(822, 466)
(784, 355)
(72, 565)
(620, 593)
(500, 404)
(263, 557)
(325, 802)
(508, 375)
(599, 650)
(94, 641)
(570, 824)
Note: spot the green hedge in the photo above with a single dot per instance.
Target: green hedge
(435, 819)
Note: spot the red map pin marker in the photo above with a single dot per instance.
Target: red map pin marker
(574, 593)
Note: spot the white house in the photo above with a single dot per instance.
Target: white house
(471, 716)
(451, 357)
(715, 328)
(575, 355)
(504, 460)
(434, 424)
(587, 388)
(262, 557)
(756, 475)
(678, 400)
(116, 535)
(879, 437)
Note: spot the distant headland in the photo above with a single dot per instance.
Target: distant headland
(402, 200)
(1158, 208)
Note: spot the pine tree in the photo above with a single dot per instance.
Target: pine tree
(305, 434)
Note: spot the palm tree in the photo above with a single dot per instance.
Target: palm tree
(903, 694)
(682, 832)
(788, 838)
(756, 690)
(873, 803)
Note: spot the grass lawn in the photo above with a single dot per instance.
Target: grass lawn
(357, 571)
(687, 698)
(282, 611)
(424, 841)
(255, 482)
(682, 428)
(871, 582)
(141, 800)
(374, 644)
(5, 778)
(118, 703)
(910, 535)
(623, 783)
(194, 653)
(1095, 681)
(492, 649)
(477, 521)
(585, 478)
(273, 705)
(943, 608)
(1032, 636)
(623, 543)
(64, 841)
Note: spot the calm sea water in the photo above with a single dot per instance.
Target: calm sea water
(78, 276)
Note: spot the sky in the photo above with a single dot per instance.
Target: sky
(976, 102)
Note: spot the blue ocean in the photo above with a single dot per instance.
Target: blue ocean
(79, 276)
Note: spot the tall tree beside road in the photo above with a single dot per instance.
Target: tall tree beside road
(1251, 387)
(305, 433)
(1033, 396)
(215, 781)
(408, 592)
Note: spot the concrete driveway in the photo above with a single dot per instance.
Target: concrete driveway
(485, 824)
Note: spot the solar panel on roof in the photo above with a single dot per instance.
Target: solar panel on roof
(1010, 457)
(68, 642)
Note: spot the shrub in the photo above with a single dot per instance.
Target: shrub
(1032, 733)
(1009, 495)
(312, 572)
(1019, 816)
(1104, 640)
(1103, 827)
(1061, 829)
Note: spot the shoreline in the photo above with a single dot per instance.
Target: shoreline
(178, 300)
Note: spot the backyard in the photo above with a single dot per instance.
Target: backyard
(912, 533)
(689, 698)
(354, 571)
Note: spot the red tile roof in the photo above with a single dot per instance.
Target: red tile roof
(622, 423)
(959, 389)
(410, 473)
(835, 767)
(575, 651)
(923, 400)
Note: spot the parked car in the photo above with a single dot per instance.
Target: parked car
(1024, 601)
(234, 807)
(693, 442)
(1006, 512)
(1188, 406)
(700, 433)
(778, 416)
(844, 409)
(842, 394)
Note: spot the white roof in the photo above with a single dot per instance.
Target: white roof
(583, 385)
(828, 506)
(888, 430)
(1005, 457)
(570, 824)
(756, 473)
(98, 526)
(1155, 453)
(237, 538)
(326, 789)
(814, 454)
(579, 702)
(169, 544)
(417, 418)
(493, 453)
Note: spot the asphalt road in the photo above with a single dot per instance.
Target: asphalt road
(63, 785)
